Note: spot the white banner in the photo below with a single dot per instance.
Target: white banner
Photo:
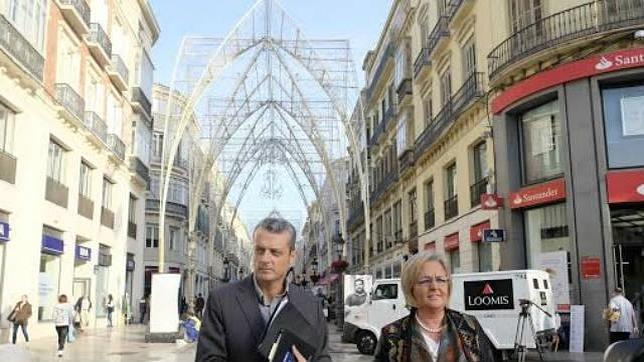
(164, 311)
(556, 264)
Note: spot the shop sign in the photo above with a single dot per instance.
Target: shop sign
(476, 231)
(625, 186)
(610, 62)
(590, 267)
(489, 294)
(4, 231)
(52, 245)
(451, 242)
(130, 265)
(544, 193)
(556, 264)
(83, 253)
(491, 202)
(493, 235)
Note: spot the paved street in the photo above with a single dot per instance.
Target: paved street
(127, 344)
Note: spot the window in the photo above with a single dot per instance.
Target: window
(142, 140)
(379, 236)
(157, 145)
(151, 236)
(485, 256)
(114, 113)
(455, 261)
(131, 212)
(69, 60)
(48, 284)
(427, 109)
(450, 181)
(480, 161)
(6, 129)
(623, 125)
(144, 75)
(85, 180)
(94, 93)
(468, 52)
(29, 17)
(55, 163)
(430, 219)
(385, 291)
(412, 205)
(442, 7)
(174, 238)
(524, 13)
(546, 231)
(446, 87)
(398, 220)
(107, 193)
(388, 231)
(541, 139)
(402, 61)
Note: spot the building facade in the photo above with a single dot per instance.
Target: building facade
(74, 152)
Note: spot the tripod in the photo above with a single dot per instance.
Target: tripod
(520, 349)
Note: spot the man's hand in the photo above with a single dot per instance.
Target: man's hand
(298, 355)
(636, 332)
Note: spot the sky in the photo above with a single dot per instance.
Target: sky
(360, 21)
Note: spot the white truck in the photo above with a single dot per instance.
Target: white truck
(494, 298)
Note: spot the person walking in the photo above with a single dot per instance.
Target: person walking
(19, 317)
(622, 317)
(246, 314)
(63, 317)
(83, 306)
(109, 306)
(199, 304)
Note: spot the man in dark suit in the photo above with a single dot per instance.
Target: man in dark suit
(239, 315)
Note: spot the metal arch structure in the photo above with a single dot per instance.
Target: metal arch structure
(204, 62)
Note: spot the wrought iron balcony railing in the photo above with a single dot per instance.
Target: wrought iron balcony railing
(77, 14)
(118, 67)
(142, 100)
(430, 219)
(171, 207)
(99, 36)
(451, 207)
(387, 55)
(477, 189)
(96, 125)
(407, 160)
(453, 5)
(70, 100)
(440, 30)
(384, 185)
(116, 145)
(431, 133)
(140, 168)
(581, 21)
(421, 61)
(471, 89)
(404, 89)
(413, 229)
(14, 44)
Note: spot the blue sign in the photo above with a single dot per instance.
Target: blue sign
(4, 231)
(52, 245)
(493, 235)
(83, 253)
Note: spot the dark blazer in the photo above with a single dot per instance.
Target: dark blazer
(232, 325)
(396, 339)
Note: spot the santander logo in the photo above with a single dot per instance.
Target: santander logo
(517, 200)
(487, 290)
(640, 189)
(490, 202)
(603, 64)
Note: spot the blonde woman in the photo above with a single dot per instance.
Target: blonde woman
(432, 332)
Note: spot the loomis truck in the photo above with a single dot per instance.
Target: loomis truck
(494, 298)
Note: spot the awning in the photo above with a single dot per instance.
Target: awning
(330, 278)
(431, 246)
(451, 241)
(476, 231)
(52, 245)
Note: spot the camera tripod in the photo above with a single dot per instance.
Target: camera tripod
(520, 349)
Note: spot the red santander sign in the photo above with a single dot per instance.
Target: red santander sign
(544, 193)
(625, 186)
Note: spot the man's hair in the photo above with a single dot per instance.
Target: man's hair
(62, 298)
(358, 280)
(619, 290)
(277, 226)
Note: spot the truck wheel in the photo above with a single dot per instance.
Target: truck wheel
(366, 342)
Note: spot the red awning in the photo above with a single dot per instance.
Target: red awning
(451, 241)
(330, 278)
(431, 246)
(476, 231)
(625, 186)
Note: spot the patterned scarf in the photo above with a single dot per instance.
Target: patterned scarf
(449, 350)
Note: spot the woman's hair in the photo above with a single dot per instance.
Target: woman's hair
(411, 272)
(109, 296)
(62, 298)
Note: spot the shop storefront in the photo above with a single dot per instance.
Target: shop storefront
(5, 237)
(102, 279)
(52, 247)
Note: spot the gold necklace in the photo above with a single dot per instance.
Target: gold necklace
(428, 329)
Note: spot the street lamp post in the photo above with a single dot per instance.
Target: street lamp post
(314, 276)
(339, 247)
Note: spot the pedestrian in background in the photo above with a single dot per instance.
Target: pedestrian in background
(199, 304)
(143, 308)
(19, 317)
(83, 307)
(622, 317)
(109, 306)
(63, 317)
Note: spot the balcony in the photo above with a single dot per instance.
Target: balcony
(451, 207)
(18, 53)
(407, 161)
(422, 63)
(471, 90)
(453, 8)
(398, 235)
(433, 131)
(85, 206)
(171, 208)
(404, 92)
(140, 102)
(356, 216)
(430, 219)
(377, 131)
(477, 189)
(118, 73)
(56, 192)
(387, 56)
(116, 145)
(8, 165)
(131, 229)
(589, 21)
(384, 185)
(96, 125)
(107, 217)
(73, 106)
(413, 229)
(140, 169)
(99, 44)
(77, 14)
(439, 32)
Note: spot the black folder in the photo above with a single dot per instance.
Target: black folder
(281, 336)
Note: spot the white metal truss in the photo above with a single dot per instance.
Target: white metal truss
(266, 95)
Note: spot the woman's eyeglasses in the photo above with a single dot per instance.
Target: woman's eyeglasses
(426, 281)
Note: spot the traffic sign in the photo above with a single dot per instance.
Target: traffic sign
(493, 235)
